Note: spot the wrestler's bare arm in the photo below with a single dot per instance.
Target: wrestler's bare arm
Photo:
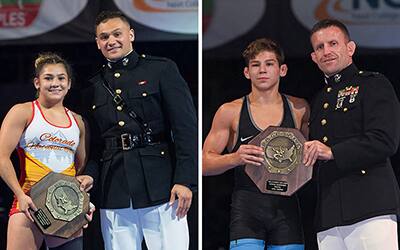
(220, 136)
(301, 111)
(304, 128)
(11, 130)
(81, 153)
(86, 181)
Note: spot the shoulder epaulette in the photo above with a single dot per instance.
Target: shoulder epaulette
(368, 73)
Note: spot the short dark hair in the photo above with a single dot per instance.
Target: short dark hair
(260, 45)
(108, 14)
(325, 23)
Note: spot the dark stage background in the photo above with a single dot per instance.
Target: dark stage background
(223, 79)
(16, 84)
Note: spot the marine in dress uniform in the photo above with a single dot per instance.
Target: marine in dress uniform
(133, 168)
(357, 114)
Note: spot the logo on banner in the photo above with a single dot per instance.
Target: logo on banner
(166, 5)
(224, 21)
(18, 13)
(178, 16)
(370, 22)
(24, 18)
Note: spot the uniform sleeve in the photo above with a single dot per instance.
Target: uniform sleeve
(178, 104)
(381, 129)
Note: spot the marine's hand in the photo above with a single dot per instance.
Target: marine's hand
(184, 195)
(25, 203)
(89, 215)
(86, 182)
(249, 154)
(315, 150)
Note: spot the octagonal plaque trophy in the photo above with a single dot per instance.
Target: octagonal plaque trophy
(61, 205)
(283, 172)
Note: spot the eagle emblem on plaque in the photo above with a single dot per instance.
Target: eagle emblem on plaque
(62, 206)
(283, 172)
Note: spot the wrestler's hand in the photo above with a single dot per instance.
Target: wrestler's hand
(25, 203)
(89, 215)
(86, 182)
(315, 150)
(249, 154)
(184, 195)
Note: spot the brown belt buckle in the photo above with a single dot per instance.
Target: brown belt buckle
(126, 141)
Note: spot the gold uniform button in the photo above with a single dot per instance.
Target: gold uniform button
(117, 75)
(143, 55)
(162, 153)
(144, 94)
(345, 110)
(121, 123)
(323, 122)
(119, 108)
(326, 105)
(329, 89)
(325, 139)
(363, 171)
(94, 107)
(118, 91)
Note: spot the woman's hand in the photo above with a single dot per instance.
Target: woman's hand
(25, 203)
(86, 182)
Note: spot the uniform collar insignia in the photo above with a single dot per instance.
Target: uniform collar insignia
(337, 78)
(129, 60)
(343, 76)
(125, 61)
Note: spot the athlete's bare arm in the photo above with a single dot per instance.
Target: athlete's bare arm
(80, 156)
(222, 134)
(301, 112)
(86, 181)
(16, 120)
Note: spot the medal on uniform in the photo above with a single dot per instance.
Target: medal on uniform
(350, 92)
(353, 93)
(339, 102)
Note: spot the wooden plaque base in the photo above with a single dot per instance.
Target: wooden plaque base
(61, 205)
(283, 172)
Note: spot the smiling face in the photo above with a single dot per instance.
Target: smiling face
(114, 38)
(53, 83)
(332, 50)
(264, 71)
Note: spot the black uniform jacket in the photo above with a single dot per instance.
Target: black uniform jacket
(155, 90)
(357, 114)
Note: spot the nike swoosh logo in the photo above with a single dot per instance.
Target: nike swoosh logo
(246, 138)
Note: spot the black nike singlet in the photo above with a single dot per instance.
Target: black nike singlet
(273, 218)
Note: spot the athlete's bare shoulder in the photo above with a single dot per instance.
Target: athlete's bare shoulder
(23, 109)
(301, 112)
(77, 116)
(22, 106)
(79, 119)
(230, 109)
(20, 113)
(298, 104)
